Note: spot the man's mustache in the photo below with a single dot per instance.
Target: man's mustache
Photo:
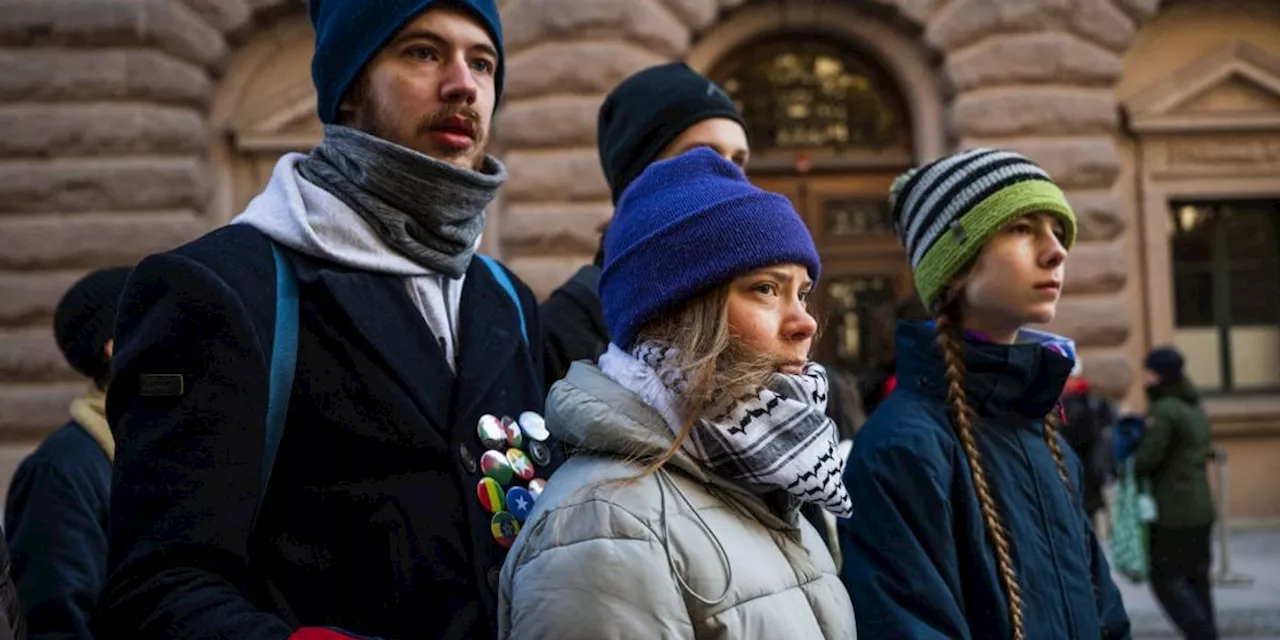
(441, 118)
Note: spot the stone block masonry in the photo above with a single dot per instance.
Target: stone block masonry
(103, 159)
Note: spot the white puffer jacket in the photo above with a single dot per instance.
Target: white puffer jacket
(678, 554)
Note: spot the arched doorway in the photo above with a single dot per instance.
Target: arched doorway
(829, 129)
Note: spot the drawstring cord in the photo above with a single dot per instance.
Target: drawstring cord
(663, 478)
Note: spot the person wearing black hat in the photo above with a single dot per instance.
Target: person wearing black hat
(1173, 453)
(321, 408)
(56, 512)
(700, 433)
(660, 112)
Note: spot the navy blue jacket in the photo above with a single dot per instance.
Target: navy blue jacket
(371, 521)
(917, 561)
(55, 519)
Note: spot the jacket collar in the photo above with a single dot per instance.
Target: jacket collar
(1181, 389)
(90, 412)
(1026, 378)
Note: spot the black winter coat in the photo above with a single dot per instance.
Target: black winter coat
(573, 324)
(371, 521)
(55, 520)
(13, 624)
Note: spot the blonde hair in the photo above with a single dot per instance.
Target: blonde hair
(949, 319)
(714, 364)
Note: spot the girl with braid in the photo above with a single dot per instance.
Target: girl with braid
(967, 514)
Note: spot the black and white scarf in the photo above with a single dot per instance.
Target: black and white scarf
(777, 438)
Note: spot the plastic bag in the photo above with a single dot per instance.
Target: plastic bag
(1128, 529)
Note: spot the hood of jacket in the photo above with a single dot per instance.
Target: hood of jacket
(1026, 378)
(592, 413)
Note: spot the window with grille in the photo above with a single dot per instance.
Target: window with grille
(806, 91)
(1226, 275)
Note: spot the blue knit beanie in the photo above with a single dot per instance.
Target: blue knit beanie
(685, 226)
(349, 33)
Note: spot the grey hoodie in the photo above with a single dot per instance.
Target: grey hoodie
(315, 223)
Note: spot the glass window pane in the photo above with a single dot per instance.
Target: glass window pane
(1253, 234)
(857, 216)
(1235, 242)
(851, 304)
(1255, 357)
(1251, 231)
(1193, 298)
(806, 92)
(1193, 226)
(1201, 349)
(1255, 295)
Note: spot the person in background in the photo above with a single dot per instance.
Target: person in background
(1173, 453)
(657, 113)
(698, 435)
(880, 378)
(56, 514)
(968, 520)
(1087, 418)
(378, 490)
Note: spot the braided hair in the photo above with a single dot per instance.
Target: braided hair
(950, 342)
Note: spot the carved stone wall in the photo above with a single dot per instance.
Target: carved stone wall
(103, 159)
(108, 149)
(1033, 75)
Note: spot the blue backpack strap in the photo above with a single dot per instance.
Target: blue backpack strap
(284, 359)
(500, 275)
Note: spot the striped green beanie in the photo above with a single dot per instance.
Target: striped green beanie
(946, 210)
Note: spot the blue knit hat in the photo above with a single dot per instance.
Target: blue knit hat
(349, 33)
(685, 226)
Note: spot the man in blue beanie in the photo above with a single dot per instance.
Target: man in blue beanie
(326, 413)
(659, 112)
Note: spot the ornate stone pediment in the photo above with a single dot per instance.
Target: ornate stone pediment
(1236, 88)
(285, 121)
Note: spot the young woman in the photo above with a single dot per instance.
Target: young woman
(698, 437)
(968, 521)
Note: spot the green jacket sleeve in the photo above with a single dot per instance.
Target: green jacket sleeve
(1150, 456)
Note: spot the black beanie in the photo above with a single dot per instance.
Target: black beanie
(1165, 362)
(85, 319)
(649, 110)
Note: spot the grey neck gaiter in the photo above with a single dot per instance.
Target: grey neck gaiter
(429, 210)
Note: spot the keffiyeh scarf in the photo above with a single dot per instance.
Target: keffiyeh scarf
(777, 438)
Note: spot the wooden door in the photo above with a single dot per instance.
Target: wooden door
(864, 270)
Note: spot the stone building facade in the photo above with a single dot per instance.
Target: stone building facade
(129, 126)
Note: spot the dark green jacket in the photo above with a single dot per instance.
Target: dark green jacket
(1174, 453)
